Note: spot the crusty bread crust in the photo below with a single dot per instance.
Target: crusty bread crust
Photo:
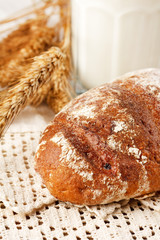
(104, 146)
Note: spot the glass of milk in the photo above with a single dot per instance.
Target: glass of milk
(112, 37)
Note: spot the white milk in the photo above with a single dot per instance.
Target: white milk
(111, 37)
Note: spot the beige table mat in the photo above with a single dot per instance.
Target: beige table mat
(28, 211)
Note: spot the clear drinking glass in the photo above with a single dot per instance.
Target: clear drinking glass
(111, 37)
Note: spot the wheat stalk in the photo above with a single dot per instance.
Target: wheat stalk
(20, 94)
(46, 75)
(29, 40)
(61, 91)
(18, 49)
(59, 96)
(58, 100)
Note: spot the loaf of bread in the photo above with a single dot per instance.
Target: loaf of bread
(104, 146)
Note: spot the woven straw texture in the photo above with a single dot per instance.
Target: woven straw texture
(28, 211)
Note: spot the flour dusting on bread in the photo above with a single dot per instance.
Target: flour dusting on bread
(70, 157)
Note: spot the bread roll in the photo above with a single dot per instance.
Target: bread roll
(104, 146)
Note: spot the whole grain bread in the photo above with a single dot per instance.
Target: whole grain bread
(104, 146)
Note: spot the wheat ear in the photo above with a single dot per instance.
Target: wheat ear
(20, 94)
(29, 40)
(61, 91)
(26, 46)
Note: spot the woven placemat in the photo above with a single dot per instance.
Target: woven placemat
(28, 211)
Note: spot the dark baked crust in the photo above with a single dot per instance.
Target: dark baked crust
(105, 145)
